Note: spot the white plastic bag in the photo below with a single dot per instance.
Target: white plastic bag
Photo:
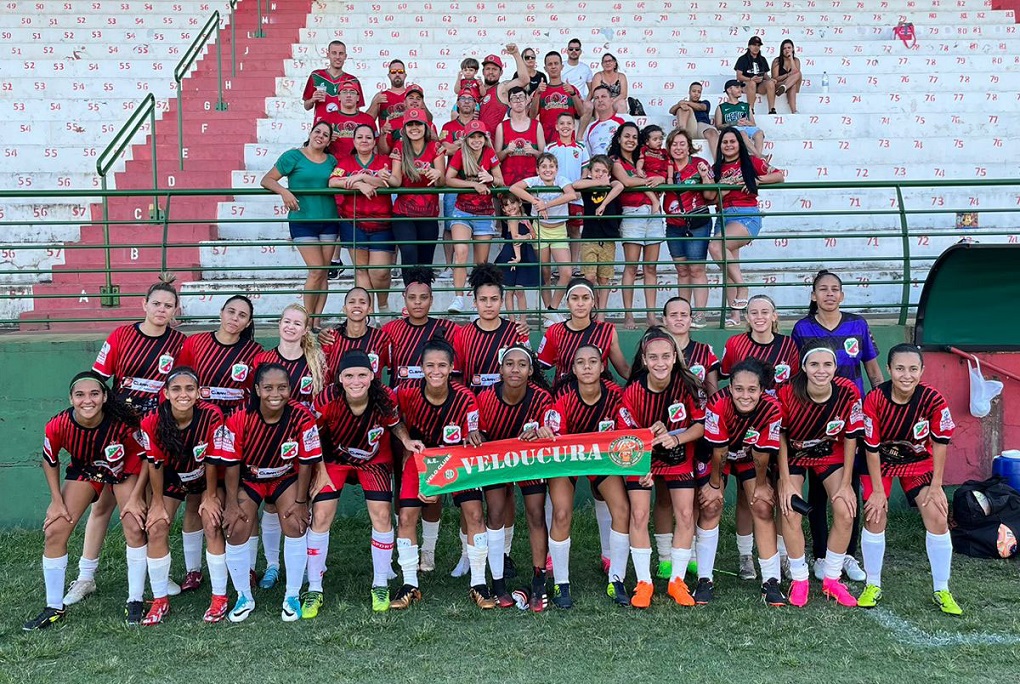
(981, 391)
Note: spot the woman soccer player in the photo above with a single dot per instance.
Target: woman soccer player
(355, 333)
(822, 421)
(742, 423)
(907, 428)
(269, 451)
(355, 426)
(663, 395)
(585, 401)
(179, 435)
(512, 409)
(438, 412)
(98, 432)
(137, 357)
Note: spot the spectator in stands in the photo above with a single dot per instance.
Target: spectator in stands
(519, 139)
(576, 72)
(492, 108)
(467, 78)
(692, 115)
(786, 73)
(312, 218)
(417, 162)
(653, 159)
(531, 72)
(323, 86)
(389, 134)
(388, 104)
(612, 78)
(752, 69)
(740, 221)
(572, 158)
(601, 230)
(346, 120)
(732, 113)
(450, 138)
(601, 125)
(555, 96)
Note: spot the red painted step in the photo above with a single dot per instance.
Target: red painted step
(215, 150)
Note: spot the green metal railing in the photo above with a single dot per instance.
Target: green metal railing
(194, 50)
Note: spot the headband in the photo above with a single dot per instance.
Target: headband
(813, 350)
(355, 358)
(515, 348)
(181, 370)
(584, 285)
(88, 375)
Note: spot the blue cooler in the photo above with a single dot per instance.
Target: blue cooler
(1008, 466)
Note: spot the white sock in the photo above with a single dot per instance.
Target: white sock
(159, 575)
(253, 551)
(664, 546)
(781, 544)
(605, 521)
(770, 567)
(382, 557)
(238, 559)
(217, 564)
(407, 559)
(54, 572)
(873, 550)
(295, 558)
(193, 550)
(834, 564)
(799, 569)
(429, 535)
(496, 545)
(508, 532)
(548, 512)
(136, 566)
(87, 568)
(745, 544)
(477, 554)
(560, 552)
(680, 558)
(318, 549)
(707, 542)
(642, 564)
(271, 534)
(619, 547)
(940, 557)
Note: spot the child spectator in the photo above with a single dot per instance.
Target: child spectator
(601, 226)
(572, 158)
(517, 259)
(652, 160)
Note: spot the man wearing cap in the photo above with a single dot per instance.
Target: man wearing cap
(346, 120)
(493, 105)
(322, 90)
(733, 112)
(389, 132)
(600, 124)
(753, 71)
(389, 104)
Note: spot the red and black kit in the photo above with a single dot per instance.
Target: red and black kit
(815, 433)
(374, 342)
(700, 359)
(500, 420)
(139, 363)
(740, 433)
(781, 353)
(101, 455)
(302, 386)
(225, 371)
(407, 341)
(561, 342)
(184, 473)
(478, 352)
(569, 415)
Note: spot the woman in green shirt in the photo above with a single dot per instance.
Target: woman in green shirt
(313, 220)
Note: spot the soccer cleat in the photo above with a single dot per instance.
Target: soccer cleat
(679, 592)
(539, 597)
(772, 593)
(291, 609)
(819, 567)
(946, 603)
(134, 611)
(242, 609)
(799, 590)
(500, 594)
(746, 568)
(406, 595)
(78, 590)
(427, 563)
(157, 611)
(618, 592)
(870, 597)
(665, 570)
(192, 581)
(642, 597)
(217, 609)
(704, 592)
(380, 599)
(836, 590)
(852, 569)
(172, 588)
(44, 619)
(561, 596)
(509, 567)
(481, 597)
(310, 604)
(605, 565)
(270, 577)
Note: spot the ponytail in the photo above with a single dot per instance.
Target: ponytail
(314, 357)
(248, 334)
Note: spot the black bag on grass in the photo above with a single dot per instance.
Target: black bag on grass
(985, 521)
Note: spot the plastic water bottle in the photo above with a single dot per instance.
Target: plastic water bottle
(825, 82)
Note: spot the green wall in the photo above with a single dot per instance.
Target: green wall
(37, 368)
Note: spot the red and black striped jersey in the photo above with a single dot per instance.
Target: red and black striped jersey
(560, 343)
(406, 342)
(353, 439)
(267, 451)
(104, 453)
(444, 425)
(138, 363)
(781, 353)
(374, 342)
(902, 434)
(700, 359)
(738, 432)
(198, 440)
(478, 352)
(675, 406)
(570, 415)
(500, 420)
(225, 371)
(815, 433)
(302, 386)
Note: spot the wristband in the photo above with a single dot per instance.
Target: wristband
(300, 503)
(714, 486)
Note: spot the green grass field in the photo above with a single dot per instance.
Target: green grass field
(446, 638)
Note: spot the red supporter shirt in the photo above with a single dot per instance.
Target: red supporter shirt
(426, 204)
(225, 372)
(374, 342)
(138, 363)
(675, 406)
(357, 440)
(902, 434)
(560, 343)
(740, 433)
(815, 433)
(302, 386)
(499, 420)
(683, 202)
(490, 110)
(471, 202)
(343, 127)
(478, 352)
(397, 125)
(436, 426)
(373, 213)
(700, 359)
(632, 198)
(391, 106)
(520, 163)
(107, 453)
(737, 197)
(322, 77)
(407, 341)
(269, 451)
(570, 415)
(656, 162)
(556, 100)
(198, 439)
(452, 131)
(781, 353)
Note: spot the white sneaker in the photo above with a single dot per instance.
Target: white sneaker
(457, 305)
(784, 567)
(550, 318)
(172, 588)
(462, 568)
(78, 590)
(853, 569)
(819, 569)
(427, 563)
(745, 570)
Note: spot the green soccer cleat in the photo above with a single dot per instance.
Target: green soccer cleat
(946, 603)
(380, 599)
(871, 596)
(311, 602)
(665, 569)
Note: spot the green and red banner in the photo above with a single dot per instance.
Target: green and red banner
(455, 469)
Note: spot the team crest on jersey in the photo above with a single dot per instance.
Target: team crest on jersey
(607, 425)
(305, 386)
(834, 427)
(752, 436)
(782, 372)
(946, 420)
(452, 434)
(374, 360)
(921, 429)
(166, 364)
(677, 412)
(699, 371)
(113, 452)
(852, 346)
(553, 421)
(533, 425)
(288, 450)
(199, 452)
(374, 434)
(239, 372)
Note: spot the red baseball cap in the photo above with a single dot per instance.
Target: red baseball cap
(415, 88)
(415, 115)
(473, 93)
(475, 126)
(494, 59)
(349, 84)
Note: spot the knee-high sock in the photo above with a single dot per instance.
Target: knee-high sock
(54, 575)
(679, 558)
(407, 559)
(642, 564)
(496, 549)
(477, 554)
(253, 551)
(217, 564)
(159, 575)
(271, 533)
(619, 547)
(136, 566)
(605, 520)
(382, 557)
(429, 535)
(873, 549)
(940, 557)
(781, 545)
(295, 557)
(508, 533)
(318, 550)
(707, 543)
(560, 552)
(87, 568)
(799, 568)
(833, 564)
(745, 544)
(770, 567)
(238, 561)
(193, 550)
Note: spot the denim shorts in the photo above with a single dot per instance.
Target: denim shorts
(749, 217)
(481, 226)
(355, 237)
(749, 131)
(691, 250)
(449, 199)
(314, 231)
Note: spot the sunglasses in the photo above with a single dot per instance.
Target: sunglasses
(529, 56)
(573, 49)
(397, 71)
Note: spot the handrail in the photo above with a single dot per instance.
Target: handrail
(973, 357)
(905, 231)
(233, 40)
(181, 71)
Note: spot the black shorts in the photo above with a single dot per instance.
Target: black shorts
(822, 471)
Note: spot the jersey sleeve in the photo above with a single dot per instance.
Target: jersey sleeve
(147, 433)
(855, 423)
(228, 444)
(310, 447)
(772, 426)
(695, 409)
(554, 417)
(625, 413)
(53, 442)
(940, 420)
(491, 159)
(391, 418)
(869, 349)
(106, 359)
(548, 350)
(726, 362)
(715, 427)
(872, 434)
(457, 161)
(309, 88)
(471, 414)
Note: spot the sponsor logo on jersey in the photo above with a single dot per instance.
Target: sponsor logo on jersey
(751, 436)
(856, 413)
(103, 353)
(472, 421)
(852, 346)
(166, 364)
(113, 452)
(677, 412)
(921, 429)
(533, 425)
(199, 452)
(711, 422)
(782, 372)
(288, 450)
(305, 386)
(627, 418)
(607, 425)
(452, 434)
(552, 420)
(239, 372)
(373, 359)
(774, 428)
(946, 421)
(699, 371)
(47, 447)
(310, 438)
(834, 427)
(541, 345)
(374, 434)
